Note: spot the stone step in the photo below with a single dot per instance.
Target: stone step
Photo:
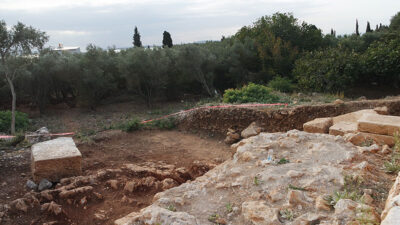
(343, 128)
(379, 124)
(319, 125)
(55, 159)
(361, 138)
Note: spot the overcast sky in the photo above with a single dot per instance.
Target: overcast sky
(111, 22)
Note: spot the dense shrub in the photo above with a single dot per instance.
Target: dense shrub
(331, 70)
(250, 93)
(281, 84)
(167, 124)
(131, 125)
(21, 121)
(382, 62)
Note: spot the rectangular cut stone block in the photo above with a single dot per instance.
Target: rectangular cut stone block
(56, 159)
(319, 125)
(362, 138)
(379, 124)
(353, 117)
(343, 128)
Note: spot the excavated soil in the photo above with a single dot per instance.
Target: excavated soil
(121, 174)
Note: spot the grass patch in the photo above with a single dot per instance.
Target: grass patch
(163, 124)
(283, 161)
(287, 214)
(257, 181)
(131, 125)
(352, 189)
(296, 188)
(229, 207)
(337, 195)
(393, 166)
(213, 217)
(171, 208)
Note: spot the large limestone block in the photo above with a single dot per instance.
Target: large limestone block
(55, 159)
(343, 128)
(382, 110)
(353, 117)
(361, 138)
(393, 197)
(393, 217)
(379, 124)
(252, 130)
(319, 125)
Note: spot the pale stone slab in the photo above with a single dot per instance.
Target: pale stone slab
(343, 128)
(361, 138)
(379, 124)
(393, 217)
(319, 125)
(382, 110)
(55, 159)
(353, 117)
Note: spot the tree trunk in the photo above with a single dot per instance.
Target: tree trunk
(13, 105)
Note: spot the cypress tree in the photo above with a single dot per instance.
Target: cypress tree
(357, 32)
(377, 28)
(332, 32)
(368, 30)
(167, 40)
(136, 38)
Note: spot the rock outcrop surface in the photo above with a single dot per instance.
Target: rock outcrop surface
(252, 189)
(56, 159)
(391, 213)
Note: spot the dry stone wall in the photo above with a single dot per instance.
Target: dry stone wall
(218, 120)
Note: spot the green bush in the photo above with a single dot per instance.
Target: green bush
(132, 125)
(167, 124)
(281, 84)
(250, 93)
(21, 121)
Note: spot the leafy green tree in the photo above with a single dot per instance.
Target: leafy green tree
(330, 70)
(146, 72)
(96, 82)
(395, 22)
(167, 40)
(16, 45)
(136, 38)
(382, 62)
(53, 79)
(199, 63)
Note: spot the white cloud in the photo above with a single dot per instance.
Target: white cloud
(69, 32)
(109, 22)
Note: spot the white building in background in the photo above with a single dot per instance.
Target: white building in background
(61, 48)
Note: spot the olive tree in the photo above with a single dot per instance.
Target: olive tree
(146, 71)
(16, 45)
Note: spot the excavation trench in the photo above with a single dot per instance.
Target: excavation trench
(122, 173)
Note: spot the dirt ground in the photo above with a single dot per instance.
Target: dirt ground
(171, 149)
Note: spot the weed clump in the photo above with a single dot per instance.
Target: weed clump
(351, 190)
(166, 124)
(393, 166)
(132, 125)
